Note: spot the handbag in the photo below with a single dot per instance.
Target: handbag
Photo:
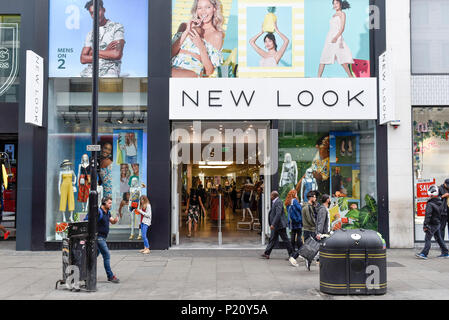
(309, 249)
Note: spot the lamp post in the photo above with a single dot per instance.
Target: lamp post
(91, 283)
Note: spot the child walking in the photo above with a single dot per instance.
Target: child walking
(145, 222)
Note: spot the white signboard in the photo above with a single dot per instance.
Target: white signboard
(386, 89)
(268, 98)
(34, 88)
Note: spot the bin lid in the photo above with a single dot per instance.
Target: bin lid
(354, 238)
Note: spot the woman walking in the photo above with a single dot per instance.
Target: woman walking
(145, 223)
(294, 218)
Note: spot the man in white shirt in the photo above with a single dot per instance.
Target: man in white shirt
(111, 44)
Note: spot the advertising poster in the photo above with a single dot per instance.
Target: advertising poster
(266, 38)
(123, 38)
(129, 168)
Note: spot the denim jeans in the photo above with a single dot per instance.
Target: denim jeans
(131, 159)
(434, 231)
(296, 238)
(103, 249)
(144, 229)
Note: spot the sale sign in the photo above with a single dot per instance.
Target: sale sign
(422, 185)
(421, 208)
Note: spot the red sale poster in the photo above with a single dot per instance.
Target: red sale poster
(421, 208)
(422, 186)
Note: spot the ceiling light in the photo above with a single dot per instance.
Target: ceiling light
(132, 120)
(66, 121)
(219, 163)
(109, 119)
(212, 167)
(121, 119)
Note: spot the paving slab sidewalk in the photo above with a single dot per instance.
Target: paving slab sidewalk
(210, 275)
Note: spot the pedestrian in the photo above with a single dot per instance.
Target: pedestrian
(278, 225)
(309, 216)
(322, 218)
(432, 224)
(309, 226)
(104, 218)
(443, 191)
(294, 211)
(194, 202)
(6, 233)
(145, 222)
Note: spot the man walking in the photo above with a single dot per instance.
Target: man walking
(443, 192)
(309, 224)
(432, 224)
(322, 217)
(104, 218)
(309, 216)
(278, 225)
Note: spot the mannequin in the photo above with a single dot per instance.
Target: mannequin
(289, 172)
(134, 198)
(247, 194)
(308, 184)
(66, 189)
(84, 181)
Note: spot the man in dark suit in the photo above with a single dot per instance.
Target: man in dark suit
(278, 225)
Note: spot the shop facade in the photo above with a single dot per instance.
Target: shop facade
(281, 126)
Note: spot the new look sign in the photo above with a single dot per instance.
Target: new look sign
(34, 88)
(268, 98)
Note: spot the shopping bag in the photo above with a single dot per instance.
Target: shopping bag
(309, 249)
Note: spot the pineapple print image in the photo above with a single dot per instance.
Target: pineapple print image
(269, 23)
(272, 53)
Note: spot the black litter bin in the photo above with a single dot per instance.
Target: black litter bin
(74, 250)
(353, 262)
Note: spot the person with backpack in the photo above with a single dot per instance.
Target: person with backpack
(432, 224)
(294, 211)
(443, 192)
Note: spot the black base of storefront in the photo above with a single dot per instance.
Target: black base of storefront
(112, 245)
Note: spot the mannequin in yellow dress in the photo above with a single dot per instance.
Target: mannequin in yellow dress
(66, 189)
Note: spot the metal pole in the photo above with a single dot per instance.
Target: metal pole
(91, 283)
(220, 239)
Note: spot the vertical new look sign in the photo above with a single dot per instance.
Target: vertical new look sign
(386, 89)
(34, 88)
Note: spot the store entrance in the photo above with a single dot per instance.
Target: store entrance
(218, 200)
(8, 161)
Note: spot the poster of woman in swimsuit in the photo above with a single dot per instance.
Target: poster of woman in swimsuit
(196, 46)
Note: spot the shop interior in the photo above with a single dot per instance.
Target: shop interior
(238, 187)
(8, 160)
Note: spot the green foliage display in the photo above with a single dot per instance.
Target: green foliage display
(365, 218)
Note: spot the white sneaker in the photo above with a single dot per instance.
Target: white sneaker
(293, 261)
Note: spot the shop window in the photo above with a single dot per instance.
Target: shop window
(122, 131)
(9, 58)
(337, 158)
(430, 149)
(429, 28)
(122, 123)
